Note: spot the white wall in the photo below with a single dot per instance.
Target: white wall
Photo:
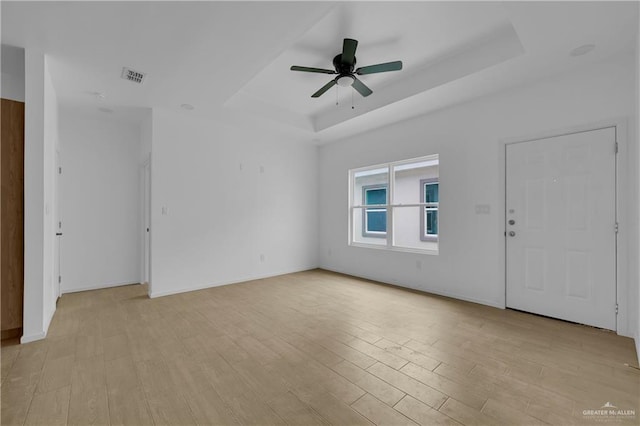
(40, 140)
(231, 195)
(12, 86)
(634, 273)
(100, 208)
(468, 138)
(146, 136)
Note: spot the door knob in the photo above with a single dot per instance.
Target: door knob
(512, 233)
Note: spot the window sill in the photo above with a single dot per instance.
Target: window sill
(398, 249)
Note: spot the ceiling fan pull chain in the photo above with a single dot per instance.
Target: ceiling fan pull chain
(352, 107)
(336, 95)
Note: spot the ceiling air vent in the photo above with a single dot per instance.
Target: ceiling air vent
(133, 75)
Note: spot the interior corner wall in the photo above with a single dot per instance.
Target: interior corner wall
(40, 139)
(146, 136)
(228, 204)
(470, 141)
(100, 204)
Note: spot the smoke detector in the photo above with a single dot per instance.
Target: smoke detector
(133, 75)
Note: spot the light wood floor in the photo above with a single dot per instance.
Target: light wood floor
(310, 348)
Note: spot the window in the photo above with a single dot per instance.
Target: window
(387, 210)
(375, 219)
(429, 189)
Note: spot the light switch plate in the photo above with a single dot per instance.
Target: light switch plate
(483, 209)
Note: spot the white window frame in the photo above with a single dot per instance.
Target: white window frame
(391, 166)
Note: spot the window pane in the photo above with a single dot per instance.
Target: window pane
(408, 229)
(431, 193)
(408, 180)
(375, 196)
(431, 220)
(369, 179)
(376, 220)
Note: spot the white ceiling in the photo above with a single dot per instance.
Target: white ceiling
(231, 59)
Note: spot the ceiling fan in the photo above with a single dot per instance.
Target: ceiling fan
(344, 64)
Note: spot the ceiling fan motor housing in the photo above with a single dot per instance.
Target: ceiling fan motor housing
(341, 67)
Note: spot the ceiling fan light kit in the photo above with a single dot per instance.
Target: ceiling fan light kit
(344, 64)
(344, 81)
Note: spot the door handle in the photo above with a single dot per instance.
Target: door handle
(58, 234)
(512, 233)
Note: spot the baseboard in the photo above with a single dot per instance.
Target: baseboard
(153, 295)
(422, 290)
(97, 287)
(33, 337)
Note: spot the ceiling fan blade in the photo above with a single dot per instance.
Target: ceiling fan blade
(361, 88)
(324, 88)
(349, 51)
(310, 69)
(372, 69)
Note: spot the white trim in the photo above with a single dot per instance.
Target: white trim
(98, 287)
(373, 172)
(222, 283)
(422, 290)
(145, 206)
(396, 248)
(43, 334)
(48, 323)
(33, 337)
(385, 206)
(622, 183)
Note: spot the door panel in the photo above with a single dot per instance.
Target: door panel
(12, 212)
(561, 240)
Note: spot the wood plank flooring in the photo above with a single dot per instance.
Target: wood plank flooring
(311, 348)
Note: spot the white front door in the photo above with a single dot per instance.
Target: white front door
(561, 227)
